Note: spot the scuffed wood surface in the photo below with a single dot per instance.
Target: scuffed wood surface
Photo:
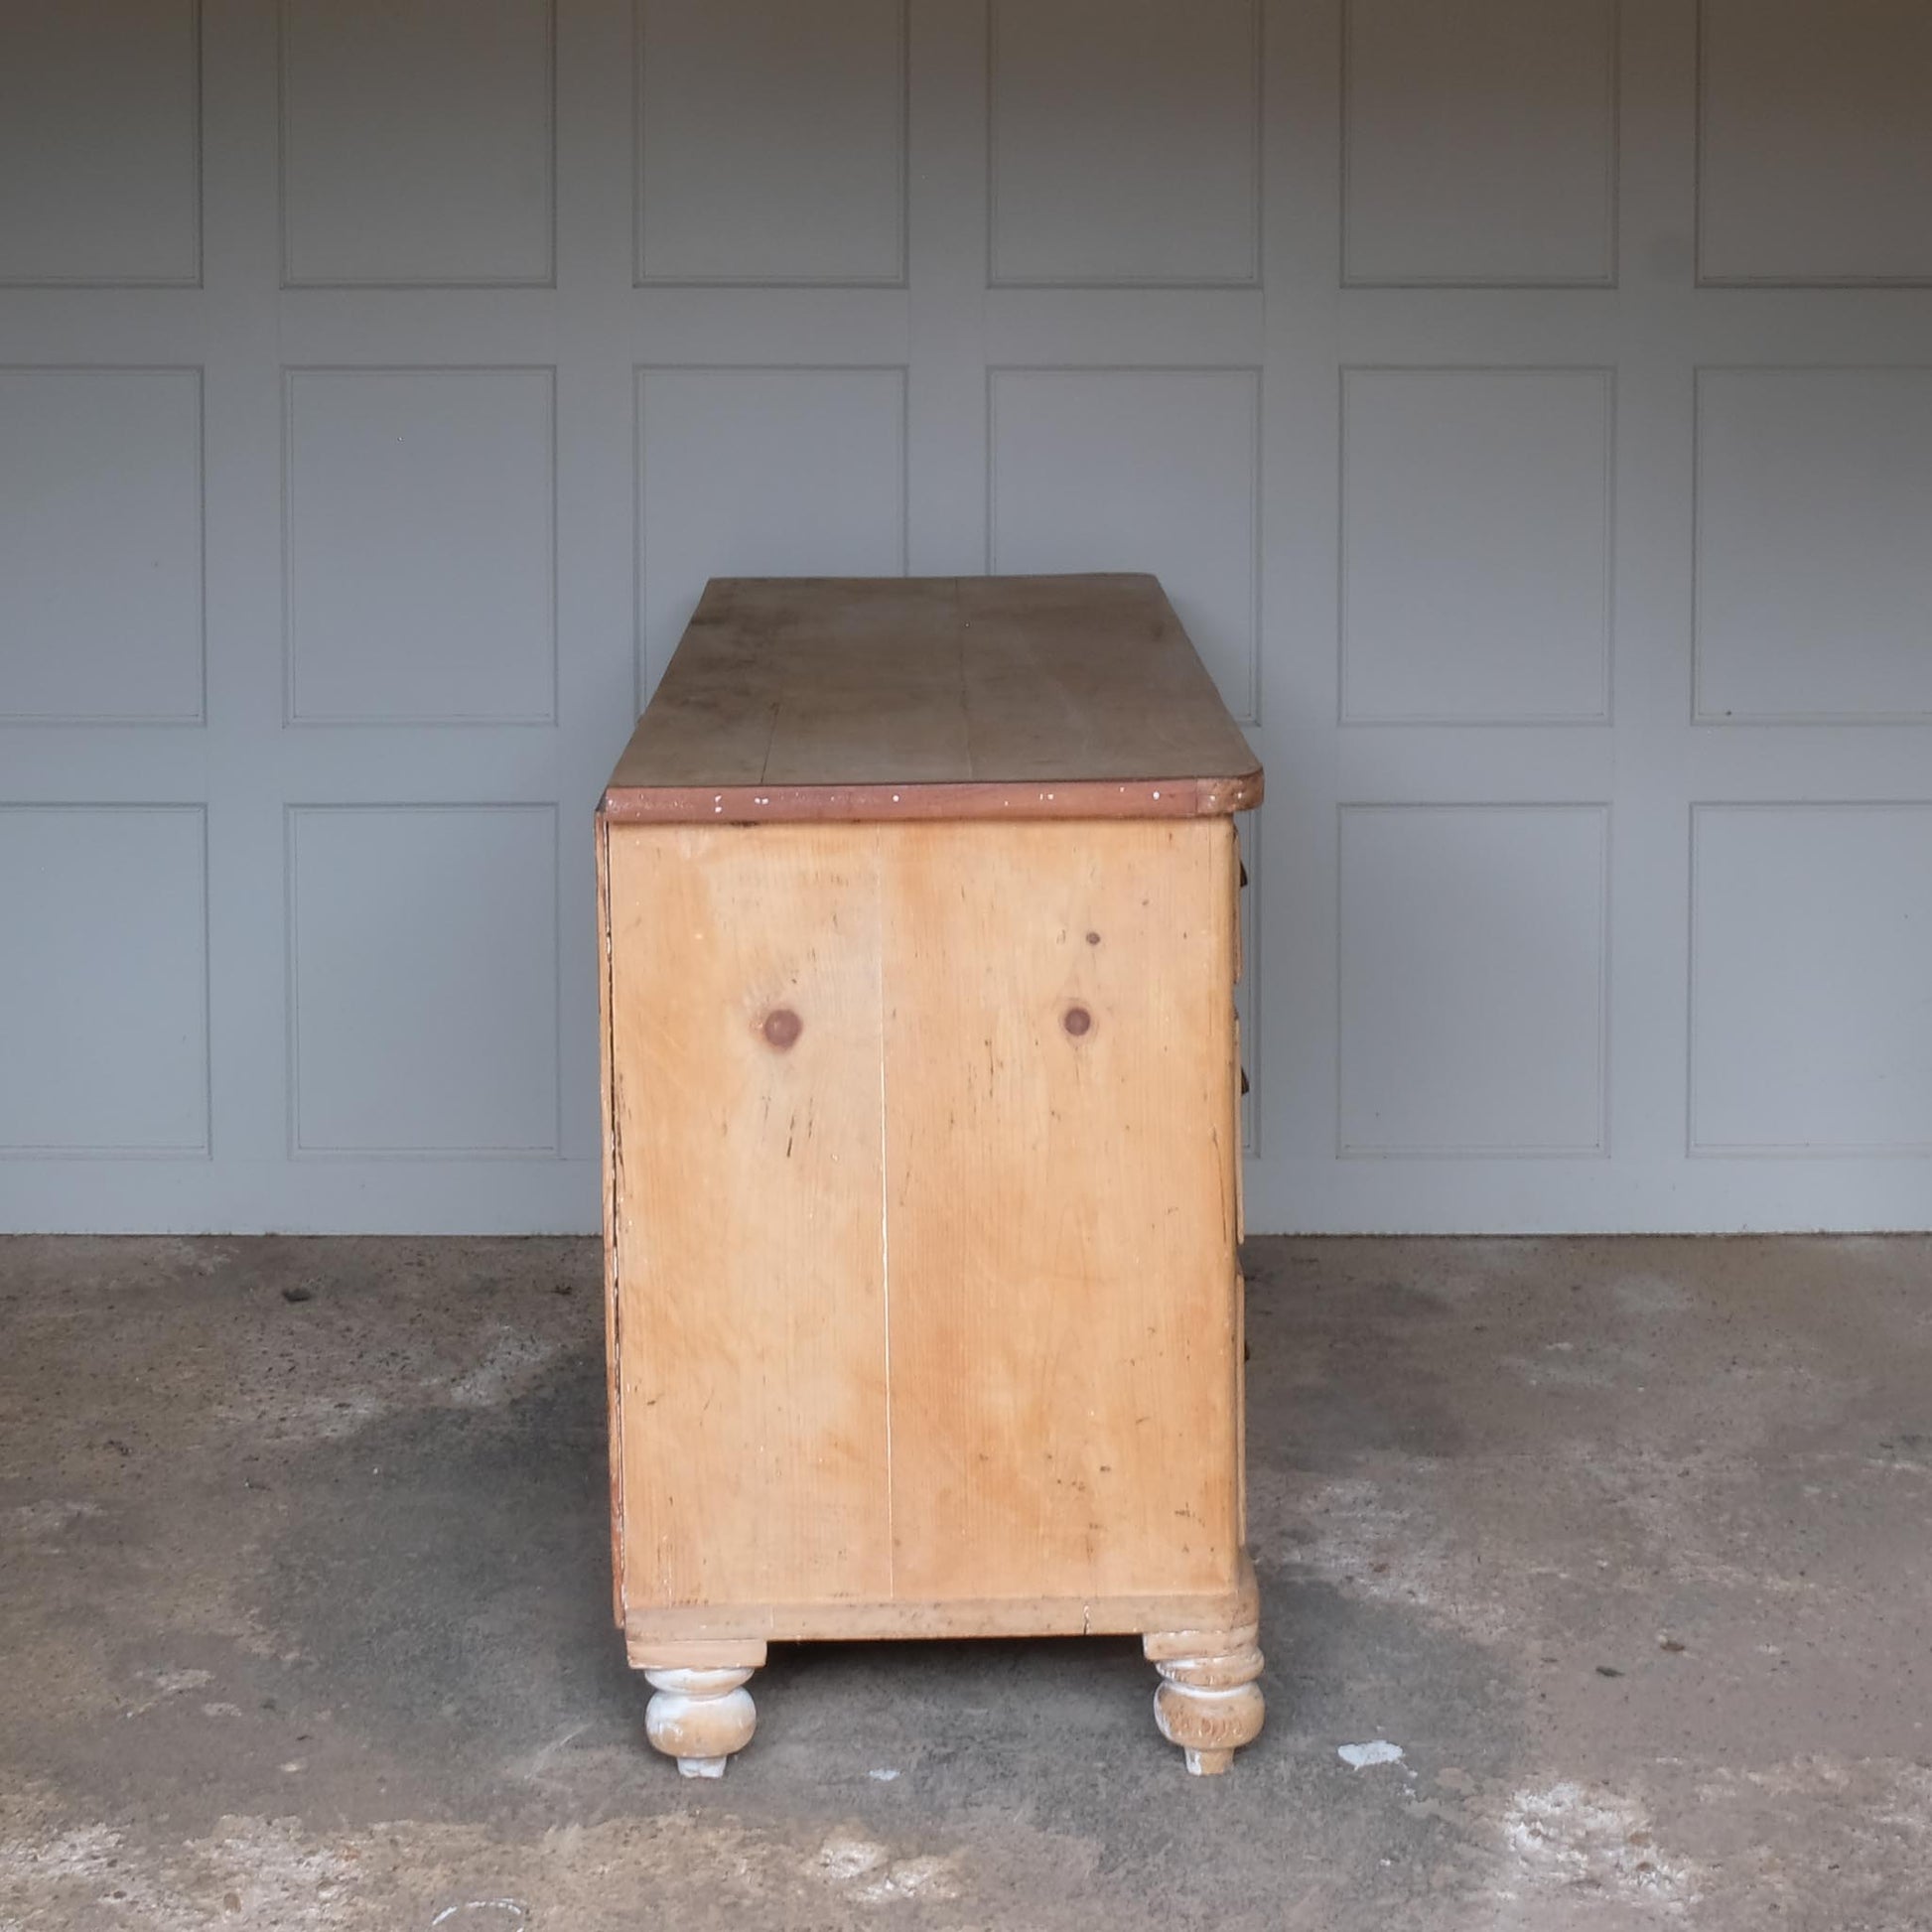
(667, 1631)
(749, 1291)
(924, 1143)
(1061, 1207)
(879, 698)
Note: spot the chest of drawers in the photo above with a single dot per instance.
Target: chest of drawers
(919, 934)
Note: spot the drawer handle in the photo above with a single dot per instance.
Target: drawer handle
(783, 1027)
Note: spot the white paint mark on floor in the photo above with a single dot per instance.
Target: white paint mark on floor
(923, 1877)
(1566, 1835)
(171, 1682)
(1383, 1541)
(869, 1873)
(84, 1870)
(543, 1766)
(38, 1522)
(513, 1364)
(1359, 1757)
(846, 1858)
(885, 1773)
(482, 1912)
(1647, 1293)
(265, 1878)
(291, 1416)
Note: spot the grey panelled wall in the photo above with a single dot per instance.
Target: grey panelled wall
(1527, 402)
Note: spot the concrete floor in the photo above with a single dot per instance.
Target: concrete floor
(1626, 1545)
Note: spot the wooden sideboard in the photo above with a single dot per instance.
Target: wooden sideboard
(923, 1154)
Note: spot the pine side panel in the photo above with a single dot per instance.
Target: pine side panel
(749, 1188)
(1060, 1208)
(610, 1156)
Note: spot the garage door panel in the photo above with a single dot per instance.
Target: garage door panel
(1526, 404)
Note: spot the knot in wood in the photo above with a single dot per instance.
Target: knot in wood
(782, 1027)
(1077, 1020)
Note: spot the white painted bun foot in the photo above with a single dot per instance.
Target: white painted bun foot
(699, 1717)
(1208, 1701)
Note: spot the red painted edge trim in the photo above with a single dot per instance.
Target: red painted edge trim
(1075, 798)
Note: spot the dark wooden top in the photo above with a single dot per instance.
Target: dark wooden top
(934, 697)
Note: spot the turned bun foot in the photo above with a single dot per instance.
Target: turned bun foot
(699, 1717)
(1208, 1701)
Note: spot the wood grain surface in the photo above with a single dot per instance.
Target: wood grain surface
(881, 697)
(923, 1142)
(751, 1266)
(1061, 1202)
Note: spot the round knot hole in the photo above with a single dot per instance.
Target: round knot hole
(782, 1027)
(1077, 1020)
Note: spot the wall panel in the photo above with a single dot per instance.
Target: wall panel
(772, 140)
(416, 141)
(1815, 142)
(100, 545)
(103, 981)
(1125, 144)
(420, 534)
(1814, 587)
(1473, 945)
(1476, 508)
(100, 143)
(1815, 1037)
(1480, 142)
(423, 980)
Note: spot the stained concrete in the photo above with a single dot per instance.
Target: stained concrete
(1626, 1546)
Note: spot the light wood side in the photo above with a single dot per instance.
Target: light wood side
(1061, 1190)
(750, 1264)
(612, 1332)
